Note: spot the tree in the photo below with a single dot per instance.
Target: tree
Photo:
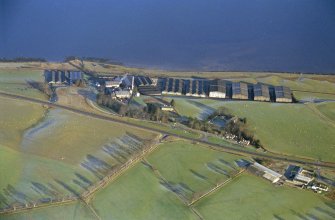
(173, 103)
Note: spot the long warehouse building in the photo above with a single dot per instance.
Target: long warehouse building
(261, 93)
(217, 89)
(283, 94)
(240, 90)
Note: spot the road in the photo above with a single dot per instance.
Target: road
(213, 146)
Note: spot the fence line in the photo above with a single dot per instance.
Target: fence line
(216, 187)
(89, 192)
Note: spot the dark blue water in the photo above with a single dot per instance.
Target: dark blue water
(259, 35)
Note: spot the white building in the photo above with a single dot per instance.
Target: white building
(122, 94)
(217, 89)
(112, 84)
(268, 173)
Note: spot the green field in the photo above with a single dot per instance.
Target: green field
(15, 81)
(52, 153)
(288, 128)
(192, 168)
(294, 129)
(328, 109)
(15, 118)
(137, 194)
(251, 197)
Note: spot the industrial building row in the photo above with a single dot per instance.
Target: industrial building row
(62, 76)
(224, 89)
(176, 86)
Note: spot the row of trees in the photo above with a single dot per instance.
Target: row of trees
(92, 59)
(22, 59)
(42, 87)
(235, 126)
(151, 112)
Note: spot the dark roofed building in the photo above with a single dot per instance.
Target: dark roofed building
(239, 90)
(74, 75)
(283, 94)
(261, 93)
(217, 89)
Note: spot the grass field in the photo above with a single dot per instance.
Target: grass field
(328, 109)
(26, 177)
(293, 129)
(251, 197)
(15, 81)
(192, 107)
(192, 168)
(15, 118)
(138, 194)
(56, 153)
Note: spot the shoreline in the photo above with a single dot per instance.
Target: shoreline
(143, 68)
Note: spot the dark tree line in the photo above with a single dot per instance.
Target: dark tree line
(42, 87)
(151, 112)
(22, 59)
(92, 59)
(235, 126)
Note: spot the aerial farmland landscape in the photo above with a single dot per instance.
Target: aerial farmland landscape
(149, 110)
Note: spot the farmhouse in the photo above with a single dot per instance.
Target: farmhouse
(261, 93)
(283, 94)
(239, 90)
(298, 176)
(217, 89)
(265, 172)
(167, 108)
(122, 94)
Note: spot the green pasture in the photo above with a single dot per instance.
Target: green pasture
(195, 108)
(15, 117)
(26, 177)
(15, 81)
(288, 128)
(251, 197)
(71, 136)
(190, 166)
(46, 150)
(327, 109)
(293, 129)
(137, 194)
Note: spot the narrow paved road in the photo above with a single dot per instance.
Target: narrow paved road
(217, 147)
